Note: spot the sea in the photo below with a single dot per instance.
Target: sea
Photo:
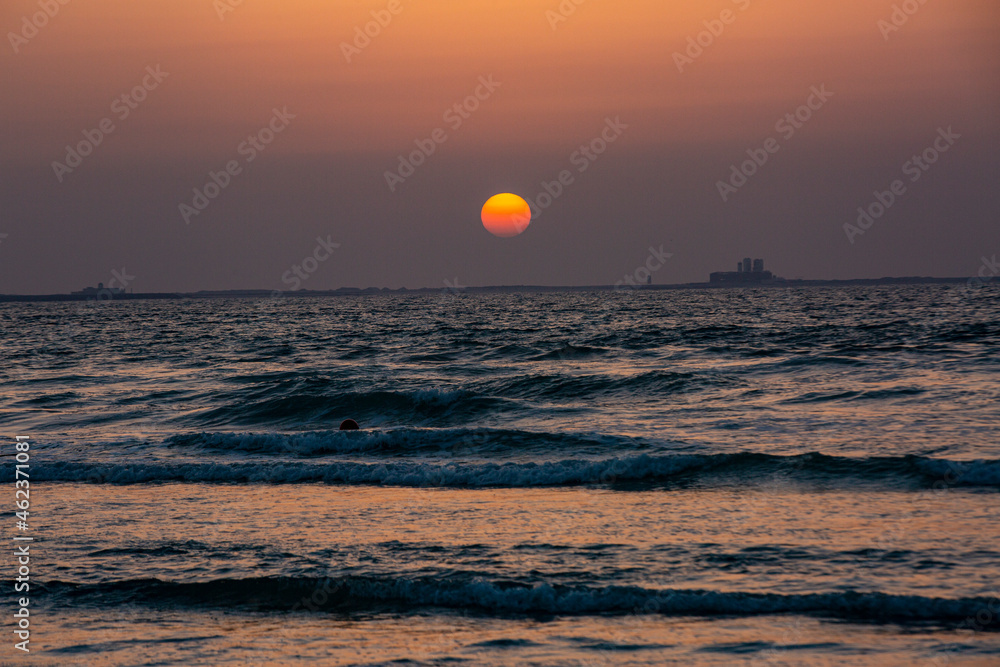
(750, 476)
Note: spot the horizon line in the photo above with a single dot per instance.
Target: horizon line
(106, 294)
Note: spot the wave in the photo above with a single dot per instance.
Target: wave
(853, 395)
(283, 399)
(402, 440)
(505, 597)
(570, 351)
(743, 469)
(568, 387)
(281, 405)
(293, 399)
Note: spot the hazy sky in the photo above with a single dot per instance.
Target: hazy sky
(534, 83)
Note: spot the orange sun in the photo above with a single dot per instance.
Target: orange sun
(506, 215)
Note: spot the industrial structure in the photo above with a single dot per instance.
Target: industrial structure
(747, 271)
(100, 291)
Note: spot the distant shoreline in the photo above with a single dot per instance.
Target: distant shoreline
(352, 291)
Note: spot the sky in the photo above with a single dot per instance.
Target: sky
(218, 144)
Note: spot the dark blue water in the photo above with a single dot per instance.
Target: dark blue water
(669, 460)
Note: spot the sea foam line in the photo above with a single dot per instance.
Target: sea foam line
(906, 471)
(506, 597)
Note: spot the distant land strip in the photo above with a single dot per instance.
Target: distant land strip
(354, 291)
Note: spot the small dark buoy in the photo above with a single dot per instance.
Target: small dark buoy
(349, 425)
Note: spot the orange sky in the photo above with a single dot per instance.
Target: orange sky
(556, 88)
(606, 58)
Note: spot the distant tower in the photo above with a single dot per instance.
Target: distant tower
(739, 267)
(649, 279)
(758, 266)
(746, 265)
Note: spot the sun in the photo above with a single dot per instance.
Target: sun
(506, 215)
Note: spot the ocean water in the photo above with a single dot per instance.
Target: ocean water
(748, 476)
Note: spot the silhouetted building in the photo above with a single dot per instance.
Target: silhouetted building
(101, 291)
(747, 272)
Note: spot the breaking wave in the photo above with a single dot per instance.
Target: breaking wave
(727, 469)
(504, 597)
